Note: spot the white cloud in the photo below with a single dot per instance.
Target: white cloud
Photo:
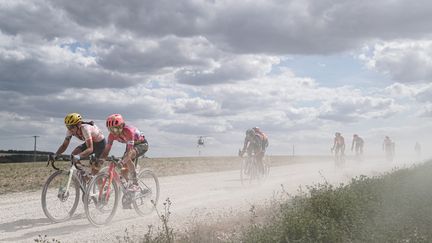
(405, 61)
(355, 109)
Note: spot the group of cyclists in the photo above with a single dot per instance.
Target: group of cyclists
(339, 145)
(357, 145)
(96, 143)
(255, 144)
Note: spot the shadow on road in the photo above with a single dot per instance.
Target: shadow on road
(26, 224)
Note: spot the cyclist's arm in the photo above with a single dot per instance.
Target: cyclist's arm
(88, 140)
(89, 150)
(130, 137)
(107, 148)
(246, 141)
(128, 156)
(334, 144)
(64, 145)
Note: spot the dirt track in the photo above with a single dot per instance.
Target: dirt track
(22, 219)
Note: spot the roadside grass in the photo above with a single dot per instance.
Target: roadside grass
(31, 176)
(393, 207)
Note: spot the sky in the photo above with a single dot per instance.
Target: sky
(300, 70)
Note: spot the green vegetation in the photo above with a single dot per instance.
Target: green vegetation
(395, 207)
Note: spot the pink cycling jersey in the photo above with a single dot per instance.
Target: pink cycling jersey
(87, 131)
(130, 135)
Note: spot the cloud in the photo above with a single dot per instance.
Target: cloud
(354, 109)
(228, 69)
(144, 55)
(197, 106)
(407, 61)
(36, 19)
(425, 111)
(301, 27)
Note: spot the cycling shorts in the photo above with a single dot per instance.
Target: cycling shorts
(98, 147)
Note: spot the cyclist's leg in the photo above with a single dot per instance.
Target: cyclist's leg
(98, 148)
(337, 151)
(260, 162)
(79, 149)
(140, 150)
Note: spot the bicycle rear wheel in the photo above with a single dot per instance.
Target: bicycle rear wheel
(101, 200)
(266, 162)
(244, 173)
(57, 204)
(146, 199)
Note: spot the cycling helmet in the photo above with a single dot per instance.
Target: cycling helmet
(114, 120)
(72, 119)
(250, 133)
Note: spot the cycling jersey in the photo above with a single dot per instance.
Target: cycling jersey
(86, 131)
(339, 141)
(130, 136)
(358, 142)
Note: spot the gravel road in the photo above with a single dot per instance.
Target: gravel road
(22, 218)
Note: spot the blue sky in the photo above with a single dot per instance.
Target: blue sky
(299, 69)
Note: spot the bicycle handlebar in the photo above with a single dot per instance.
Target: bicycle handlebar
(52, 160)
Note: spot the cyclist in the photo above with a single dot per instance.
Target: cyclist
(338, 145)
(417, 149)
(136, 145)
(94, 140)
(264, 136)
(388, 147)
(200, 142)
(255, 141)
(357, 143)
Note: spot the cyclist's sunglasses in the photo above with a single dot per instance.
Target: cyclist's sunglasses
(70, 127)
(116, 130)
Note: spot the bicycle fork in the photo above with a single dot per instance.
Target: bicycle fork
(71, 172)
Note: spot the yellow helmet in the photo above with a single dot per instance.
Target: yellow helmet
(72, 119)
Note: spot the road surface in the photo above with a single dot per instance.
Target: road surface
(22, 218)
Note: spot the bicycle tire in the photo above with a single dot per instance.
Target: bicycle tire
(91, 198)
(60, 197)
(243, 175)
(143, 199)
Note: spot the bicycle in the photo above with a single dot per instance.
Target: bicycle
(339, 156)
(63, 188)
(99, 201)
(251, 170)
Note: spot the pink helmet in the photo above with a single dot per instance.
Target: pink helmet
(114, 120)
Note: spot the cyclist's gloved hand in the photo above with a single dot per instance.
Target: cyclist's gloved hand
(241, 153)
(76, 157)
(55, 156)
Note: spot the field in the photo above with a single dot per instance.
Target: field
(16, 177)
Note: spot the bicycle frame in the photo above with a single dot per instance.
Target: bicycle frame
(72, 171)
(113, 175)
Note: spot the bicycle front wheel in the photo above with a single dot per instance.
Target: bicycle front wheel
(101, 200)
(146, 199)
(58, 202)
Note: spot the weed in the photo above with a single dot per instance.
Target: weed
(44, 239)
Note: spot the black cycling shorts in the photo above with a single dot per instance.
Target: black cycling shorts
(98, 147)
(141, 148)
